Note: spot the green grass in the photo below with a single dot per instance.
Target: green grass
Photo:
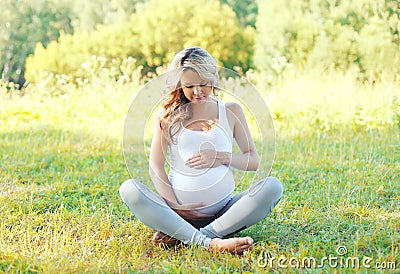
(61, 165)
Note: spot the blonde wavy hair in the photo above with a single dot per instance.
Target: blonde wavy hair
(176, 107)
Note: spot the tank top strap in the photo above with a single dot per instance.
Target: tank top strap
(223, 119)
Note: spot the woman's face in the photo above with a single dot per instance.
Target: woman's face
(195, 88)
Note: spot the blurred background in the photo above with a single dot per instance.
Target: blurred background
(310, 60)
(42, 39)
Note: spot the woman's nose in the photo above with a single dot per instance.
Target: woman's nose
(197, 89)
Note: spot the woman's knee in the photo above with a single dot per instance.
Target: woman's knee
(129, 192)
(275, 186)
(270, 188)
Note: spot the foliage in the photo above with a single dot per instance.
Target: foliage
(90, 14)
(301, 103)
(167, 27)
(97, 74)
(24, 23)
(67, 54)
(246, 11)
(27, 24)
(330, 34)
(151, 37)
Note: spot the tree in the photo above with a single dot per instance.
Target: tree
(246, 11)
(26, 23)
(90, 14)
(154, 34)
(329, 34)
(23, 26)
(165, 27)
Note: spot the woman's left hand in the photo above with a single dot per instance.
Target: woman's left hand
(207, 158)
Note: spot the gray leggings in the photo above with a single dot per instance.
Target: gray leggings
(242, 211)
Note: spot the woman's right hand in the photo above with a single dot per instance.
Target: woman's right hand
(189, 212)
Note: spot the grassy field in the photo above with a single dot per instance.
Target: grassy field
(338, 151)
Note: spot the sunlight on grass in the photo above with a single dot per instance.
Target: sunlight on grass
(61, 166)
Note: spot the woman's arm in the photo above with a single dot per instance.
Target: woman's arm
(248, 160)
(157, 172)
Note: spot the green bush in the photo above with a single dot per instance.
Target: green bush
(69, 52)
(153, 35)
(22, 25)
(167, 27)
(330, 34)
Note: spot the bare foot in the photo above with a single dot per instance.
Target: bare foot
(163, 239)
(232, 245)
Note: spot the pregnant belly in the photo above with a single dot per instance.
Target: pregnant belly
(210, 187)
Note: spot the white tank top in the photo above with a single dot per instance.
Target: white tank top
(211, 186)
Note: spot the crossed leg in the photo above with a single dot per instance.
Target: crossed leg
(241, 212)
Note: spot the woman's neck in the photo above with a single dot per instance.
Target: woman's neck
(203, 108)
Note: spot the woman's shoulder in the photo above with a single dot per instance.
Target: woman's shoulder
(233, 107)
(234, 112)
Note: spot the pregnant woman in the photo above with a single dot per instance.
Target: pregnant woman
(195, 202)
